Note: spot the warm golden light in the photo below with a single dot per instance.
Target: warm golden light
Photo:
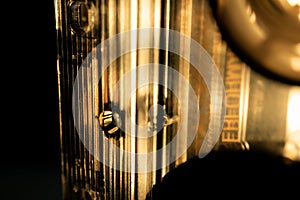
(292, 146)
(251, 14)
(295, 64)
(294, 2)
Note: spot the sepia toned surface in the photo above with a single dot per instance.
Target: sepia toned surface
(256, 107)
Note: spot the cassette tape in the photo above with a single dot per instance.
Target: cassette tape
(145, 86)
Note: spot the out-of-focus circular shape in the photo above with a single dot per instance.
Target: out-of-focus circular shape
(264, 34)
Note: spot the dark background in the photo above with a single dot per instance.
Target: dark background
(30, 155)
